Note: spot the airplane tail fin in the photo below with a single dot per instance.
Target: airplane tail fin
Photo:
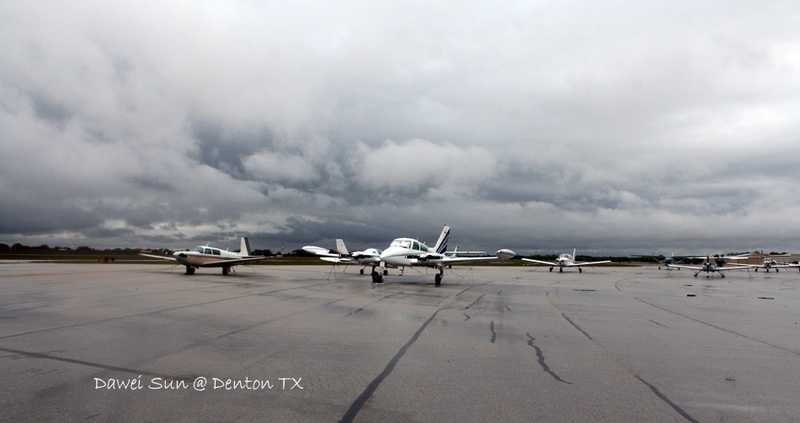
(441, 244)
(244, 246)
(340, 248)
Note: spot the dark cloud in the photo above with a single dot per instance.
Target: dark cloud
(621, 126)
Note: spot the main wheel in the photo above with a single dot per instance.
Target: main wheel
(437, 279)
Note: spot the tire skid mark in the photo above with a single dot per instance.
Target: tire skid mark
(30, 354)
(577, 327)
(540, 356)
(473, 303)
(362, 399)
(720, 328)
(491, 329)
(652, 387)
(666, 399)
(152, 312)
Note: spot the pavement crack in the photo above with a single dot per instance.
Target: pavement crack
(540, 356)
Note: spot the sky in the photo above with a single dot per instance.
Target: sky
(614, 127)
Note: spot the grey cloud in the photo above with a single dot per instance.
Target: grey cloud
(621, 126)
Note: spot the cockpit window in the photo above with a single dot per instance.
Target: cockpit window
(402, 243)
(198, 249)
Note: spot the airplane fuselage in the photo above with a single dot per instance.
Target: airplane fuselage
(201, 256)
(404, 252)
(565, 260)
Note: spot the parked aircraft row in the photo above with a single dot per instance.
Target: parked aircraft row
(409, 252)
(406, 252)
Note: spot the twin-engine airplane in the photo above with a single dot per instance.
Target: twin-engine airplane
(409, 252)
(717, 265)
(369, 257)
(567, 260)
(205, 256)
(664, 260)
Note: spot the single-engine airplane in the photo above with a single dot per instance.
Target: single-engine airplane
(567, 260)
(369, 257)
(710, 266)
(771, 263)
(409, 252)
(205, 256)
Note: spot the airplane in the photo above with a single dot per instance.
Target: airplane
(718, 265)
(671, 259)
(409, 252)
(771, 263)
(369, 257)
(205, 256)
(567, 260)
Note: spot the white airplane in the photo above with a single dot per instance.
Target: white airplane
(205, 256)
(717, 265)
(409, 252)
(567, 260)
(369, 257)
(771, 263)
(671, 259)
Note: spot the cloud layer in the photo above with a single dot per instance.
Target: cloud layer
(616, 127)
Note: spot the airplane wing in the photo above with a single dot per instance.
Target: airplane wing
(337, 259)
(541, 262)
(681, 266)
(158, 257)
(501, 255)
(588, 263)
(232, 262)
(320, 251)
(734, 267)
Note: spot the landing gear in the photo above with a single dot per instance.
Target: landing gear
(560, 270)
(386, 272)
(551, 268)
(377, 277)
(361, 271)
(225, 271)
(189, 270)
(580, 270)
(437, 279)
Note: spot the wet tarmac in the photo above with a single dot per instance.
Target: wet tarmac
(122, 342)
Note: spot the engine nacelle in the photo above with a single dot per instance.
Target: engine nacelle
(506, 254)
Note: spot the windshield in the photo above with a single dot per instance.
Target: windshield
(402, 243)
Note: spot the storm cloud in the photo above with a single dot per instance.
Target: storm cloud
(613, 127)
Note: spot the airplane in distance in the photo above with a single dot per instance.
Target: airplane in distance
(567, 260)
(771, 263)
(664, 260)
(205, 256)
(369, 257)
(409, 252)
(710, 267)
